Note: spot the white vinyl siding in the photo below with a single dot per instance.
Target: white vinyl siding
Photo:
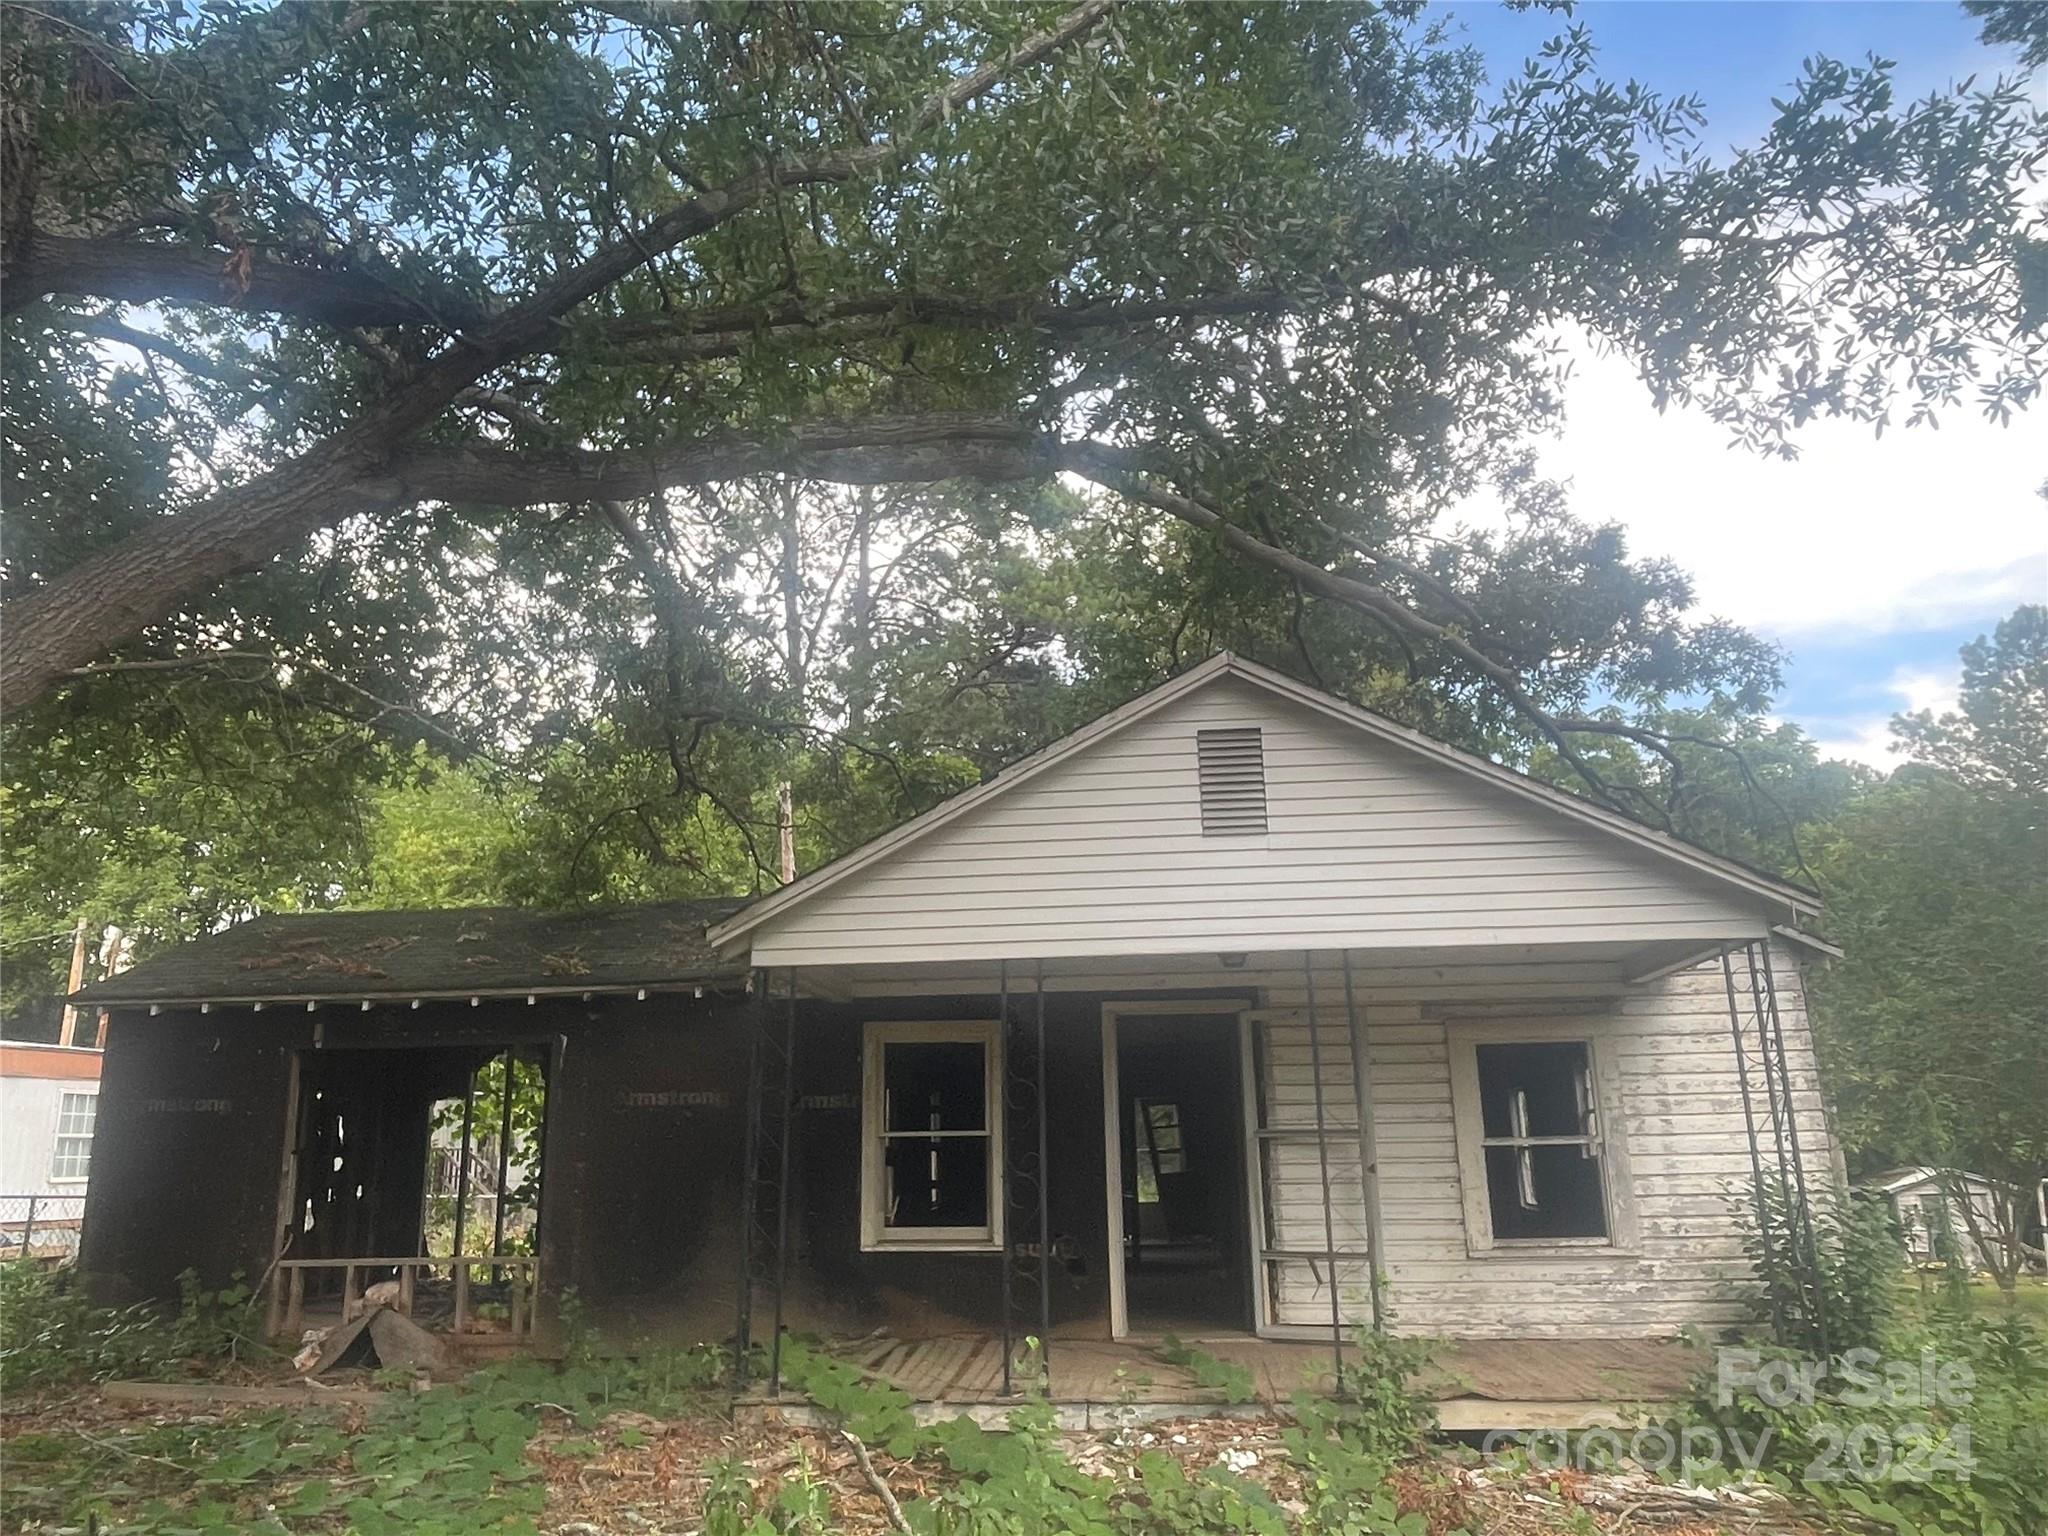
(1680, 1114)
(1367, 844)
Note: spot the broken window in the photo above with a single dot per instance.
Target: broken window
(1540, 1138)
(1160, 1150)
(932, 1150)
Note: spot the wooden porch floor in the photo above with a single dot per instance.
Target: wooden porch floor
(1478, 1383)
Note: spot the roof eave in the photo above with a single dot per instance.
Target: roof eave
(89, 998)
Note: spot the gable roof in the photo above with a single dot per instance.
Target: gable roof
(452, 952)
(1724, 871)
(1893, 1180)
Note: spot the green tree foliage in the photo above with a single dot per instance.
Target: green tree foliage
(858, 397)
(1935, 1026)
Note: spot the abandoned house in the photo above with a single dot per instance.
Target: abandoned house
(1186, 1025)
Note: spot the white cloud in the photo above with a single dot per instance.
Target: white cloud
(1868, 738)
(1861, 535)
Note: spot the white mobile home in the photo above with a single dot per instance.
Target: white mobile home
(49, 1099)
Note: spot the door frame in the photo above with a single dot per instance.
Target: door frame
(1113, 1138)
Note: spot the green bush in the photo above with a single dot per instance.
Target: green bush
(1846, 1288)
(52, 1335)
(1967, 1463)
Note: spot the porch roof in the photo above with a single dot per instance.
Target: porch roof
(1524, 975)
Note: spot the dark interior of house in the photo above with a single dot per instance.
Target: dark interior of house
(1185, 1269)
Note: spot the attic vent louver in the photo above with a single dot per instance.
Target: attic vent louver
(1233, 774)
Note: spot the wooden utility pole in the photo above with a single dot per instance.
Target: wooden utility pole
(113, 961)
(68, 1034)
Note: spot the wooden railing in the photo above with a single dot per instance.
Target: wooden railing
(288, 1292)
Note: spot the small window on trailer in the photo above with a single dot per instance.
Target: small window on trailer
(1231, 766)
(71, 1158)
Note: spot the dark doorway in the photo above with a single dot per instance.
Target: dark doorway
(1182, 1125)
(416, 1153)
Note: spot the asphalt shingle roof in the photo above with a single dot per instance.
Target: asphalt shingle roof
(464, 951)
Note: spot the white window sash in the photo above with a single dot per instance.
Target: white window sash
(1603, 1141)
(876, 1197)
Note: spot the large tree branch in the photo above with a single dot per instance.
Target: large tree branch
(712, 334)
(866, 451)
(149, 272)
(138, 272)
(116, 594)
(149, 575)
(270, 667)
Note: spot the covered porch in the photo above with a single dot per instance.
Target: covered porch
(1340, 1145)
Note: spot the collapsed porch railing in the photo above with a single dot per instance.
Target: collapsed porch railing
(1788, 1242)
(287, 1309)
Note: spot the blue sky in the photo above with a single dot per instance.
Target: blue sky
(1869, 560)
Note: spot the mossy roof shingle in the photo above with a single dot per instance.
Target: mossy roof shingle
(464, 951)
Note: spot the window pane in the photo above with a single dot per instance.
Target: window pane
(75, 1112)
(1159, 1144)
(1545, 1192)
(935, 1085)
(1534, 1090)
(936, 1183)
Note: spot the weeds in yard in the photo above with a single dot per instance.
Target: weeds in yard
(1233, 1381)
(51, 1335)
(1876, 1437)
(1898, 1457)
(1019, 1481)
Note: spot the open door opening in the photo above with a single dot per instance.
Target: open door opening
(404, 1162)
(1185, 1245)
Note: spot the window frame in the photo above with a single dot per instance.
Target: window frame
(1468, 1122)
(875, 1235)
(58, 1136)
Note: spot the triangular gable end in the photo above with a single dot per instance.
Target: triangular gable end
(1234, 808)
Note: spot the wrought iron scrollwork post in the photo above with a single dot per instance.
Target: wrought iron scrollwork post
(1027, 1259)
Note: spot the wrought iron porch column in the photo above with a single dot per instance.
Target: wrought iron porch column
(1044, 1201)
(750, 1150)
(1756, 1158)
(1315, 1060)
(1368, 1143)
(782, 1185)
(462, 1152)
(504, 1164)
(1004, 1195)
(1775, 1039)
